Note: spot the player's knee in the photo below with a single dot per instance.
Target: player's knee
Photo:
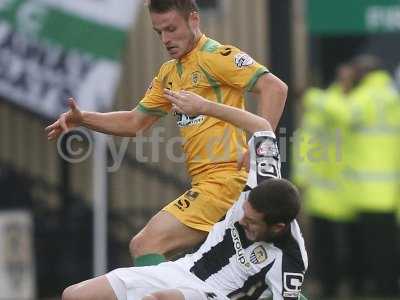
(132, 246)
(159, 296)
(172, 294)
(140, 244)
(135, 245)
(148, 242)
(69, 294)
(150, 297)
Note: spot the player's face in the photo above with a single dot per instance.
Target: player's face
(253, 223)
(177, 33)
(256, 228)
(345, 76)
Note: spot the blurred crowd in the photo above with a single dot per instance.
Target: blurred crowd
(347, 164)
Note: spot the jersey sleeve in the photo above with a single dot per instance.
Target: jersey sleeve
(153, 102)
(265, 160)
(233, 67)
(285, 282)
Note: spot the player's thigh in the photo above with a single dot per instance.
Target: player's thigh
(166, 233)
(97, 288)
(169, 280)
(179, 294)
(173, 294)
(185, 222)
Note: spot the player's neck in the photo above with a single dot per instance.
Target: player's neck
(281, 237)
(196, 38)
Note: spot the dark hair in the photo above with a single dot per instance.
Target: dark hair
(277, 199)
(184, 7)
(366, 63)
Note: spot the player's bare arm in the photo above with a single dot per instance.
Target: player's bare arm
(193, 104)
(121, 123)
(271, 93)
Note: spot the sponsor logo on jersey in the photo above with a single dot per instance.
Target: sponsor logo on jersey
(195, 78)
(292, 283)
(258, 255)
(185, 120)
(243, 60)
(237, 244)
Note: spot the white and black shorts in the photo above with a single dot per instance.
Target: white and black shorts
(136, 282)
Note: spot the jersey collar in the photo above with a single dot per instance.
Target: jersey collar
(203, 39)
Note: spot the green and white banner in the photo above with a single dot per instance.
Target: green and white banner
(54, 49)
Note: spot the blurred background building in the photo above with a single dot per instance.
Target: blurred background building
(53, 49)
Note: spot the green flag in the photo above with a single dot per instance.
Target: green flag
(53, 49)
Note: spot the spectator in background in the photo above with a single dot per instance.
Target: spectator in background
(371, 175)
(358, 193)
(318, 167)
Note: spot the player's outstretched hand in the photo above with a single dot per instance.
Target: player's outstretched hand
(66, 121)
(186, 102)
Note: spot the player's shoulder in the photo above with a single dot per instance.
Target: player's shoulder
(224, 55)
(293, 248)
(167, 66)
(236, 210)
(213, 48)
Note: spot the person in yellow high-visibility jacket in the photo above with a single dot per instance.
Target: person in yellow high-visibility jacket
(318, 168)
(371, 173)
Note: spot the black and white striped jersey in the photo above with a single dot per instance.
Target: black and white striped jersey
(240, 268)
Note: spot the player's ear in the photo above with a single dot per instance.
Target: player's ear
(194, 20)
(278, 228)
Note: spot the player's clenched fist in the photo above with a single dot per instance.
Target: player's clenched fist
(66, 121)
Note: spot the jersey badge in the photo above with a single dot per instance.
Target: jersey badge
(195, 78)
(258, 255)
(243, 60)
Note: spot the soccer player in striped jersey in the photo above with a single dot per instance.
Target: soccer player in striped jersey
(257, 250)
